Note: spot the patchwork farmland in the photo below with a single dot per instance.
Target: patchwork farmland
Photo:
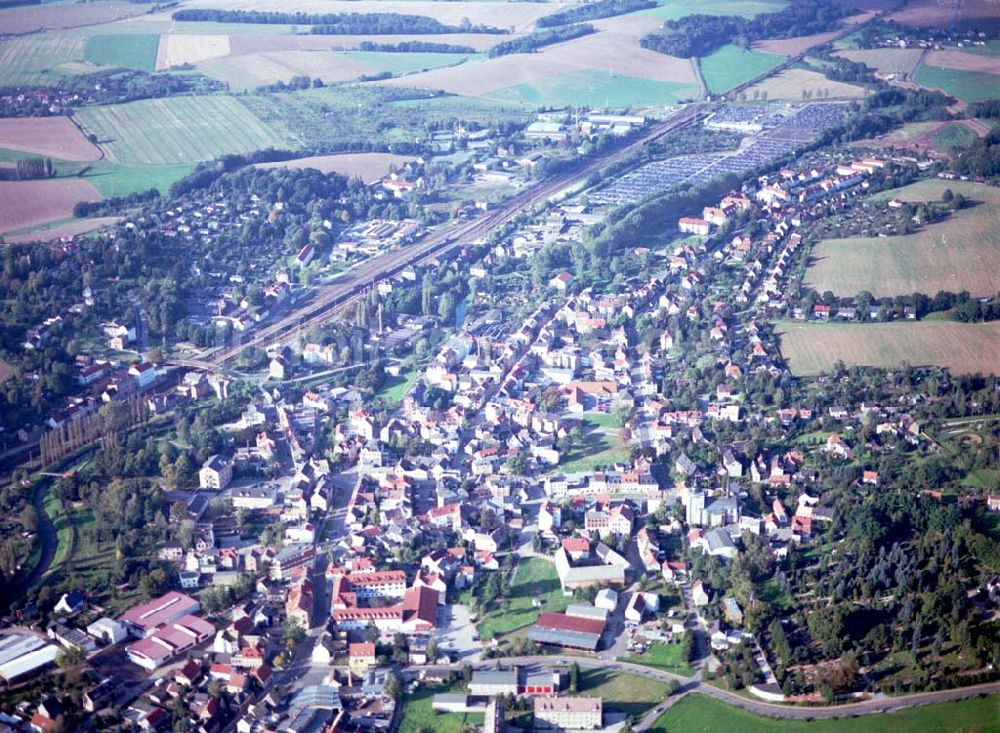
(964, 348)
(959, 253)
(177, 129)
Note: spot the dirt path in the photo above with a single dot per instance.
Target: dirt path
(696, 67)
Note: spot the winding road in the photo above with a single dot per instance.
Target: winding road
(758, 707)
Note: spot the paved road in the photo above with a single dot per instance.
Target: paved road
(773, 710)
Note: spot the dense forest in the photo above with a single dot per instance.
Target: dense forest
(594, 11)
(539, 39)
(336, 23)
(415, 47)
(700, 35)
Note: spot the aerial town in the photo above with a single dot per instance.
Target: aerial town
(621, 417)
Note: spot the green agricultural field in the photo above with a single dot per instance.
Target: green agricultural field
(700, 714)
(418, 715)
(623, 692)
(534, 578)
(673, 9)
(732, 65)
(127, 51)
(964, 348)
(595, 88)
(177, 130)
(960, 253)
(404, 63)
(114, 179)
(666, 657)
(39, 58)
(969, 86)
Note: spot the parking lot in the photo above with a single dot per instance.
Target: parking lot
(458, 638)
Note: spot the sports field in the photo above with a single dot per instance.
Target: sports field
(701, 714)
(133, 51)
(968, 86)
(964, 348)
(176, 130)
(960, 253)
(731, 65)
(794, 84)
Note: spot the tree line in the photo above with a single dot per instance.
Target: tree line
(331, 24)
(538, 39)
(415, 47)
(594, 11)
(26, 169)
(700, 35)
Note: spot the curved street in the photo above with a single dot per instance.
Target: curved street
(759, 707)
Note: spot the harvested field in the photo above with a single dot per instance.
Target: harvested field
(517, 15)
(955, 59)
(792, 46)
(25, 204)
(939, 14)
(254, 70)
(54, 137)
(959, 253)
(967, 86)
(246, 43)
(181, 48)
(793, 84)
(368, 167)
(964, 348)
(613, 51)
(176, 129)
(50, 17)
(886, 60)
(71, 229)
(39, 58)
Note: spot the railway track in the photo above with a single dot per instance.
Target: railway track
(332, 298)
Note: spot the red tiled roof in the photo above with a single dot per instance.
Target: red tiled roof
(562, 622)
